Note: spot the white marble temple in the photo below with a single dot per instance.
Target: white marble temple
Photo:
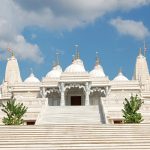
(76, 87)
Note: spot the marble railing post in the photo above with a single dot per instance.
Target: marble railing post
(87, 93)
(62, 101)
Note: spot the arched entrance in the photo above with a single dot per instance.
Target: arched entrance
(75, 96)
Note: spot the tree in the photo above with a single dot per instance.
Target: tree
(14, 112)
(130, 111)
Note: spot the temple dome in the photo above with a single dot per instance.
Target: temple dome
(97, 71)
(76, 66)
(32, 79)
(55, 72)
(120, 77)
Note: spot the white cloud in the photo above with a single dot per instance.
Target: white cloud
(68, 14)
(12, 23)
(132, 28)
(16, 15)
(22, 49)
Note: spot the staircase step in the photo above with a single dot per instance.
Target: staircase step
(69, 115)
(75, 137)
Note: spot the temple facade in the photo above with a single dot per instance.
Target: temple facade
(75, 95)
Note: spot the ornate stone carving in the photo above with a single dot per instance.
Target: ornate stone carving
(42, 92)
(102, 91)
(52, 90)
(75, 85)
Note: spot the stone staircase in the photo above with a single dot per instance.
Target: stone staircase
(69, 115)
(75, 137)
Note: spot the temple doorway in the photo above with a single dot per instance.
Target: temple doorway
(75, 97)
(75, 100)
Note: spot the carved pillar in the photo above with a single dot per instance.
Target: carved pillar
(62, 101)
(87, 93)
(43, 92)
(107, 91)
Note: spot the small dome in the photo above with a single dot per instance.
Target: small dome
(76, 66)
(120, 77)
(55, 72)
(97, 71)
(32, 79)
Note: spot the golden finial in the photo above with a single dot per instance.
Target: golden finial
(120, 70)
(140, 51)
(57, 58)
(53, 64)
(77, 55)
(73, 58)
(10, 51)
(31, 70)
(12, 54)
(145, 48)
(58, 54)
(97, 59)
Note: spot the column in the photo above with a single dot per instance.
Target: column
(87, 93)
(43, 92)
(107, 90)
(62, 101)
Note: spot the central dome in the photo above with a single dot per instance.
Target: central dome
(76, 66)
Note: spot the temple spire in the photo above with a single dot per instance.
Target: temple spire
(12, 72)
(141, 71)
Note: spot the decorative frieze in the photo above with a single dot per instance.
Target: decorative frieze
(75, 85)
(52, 90)
(101, 90)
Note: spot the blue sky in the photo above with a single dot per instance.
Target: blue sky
(36, 29)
